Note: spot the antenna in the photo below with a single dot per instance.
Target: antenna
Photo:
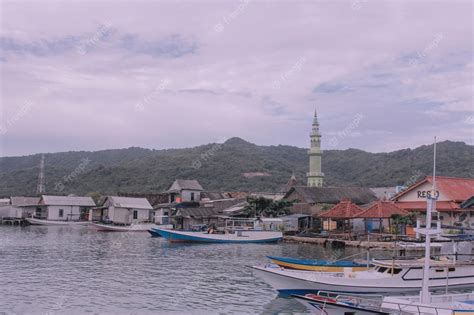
(41, 188)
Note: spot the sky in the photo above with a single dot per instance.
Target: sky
(92, 75)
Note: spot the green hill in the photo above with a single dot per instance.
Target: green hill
(236, 165)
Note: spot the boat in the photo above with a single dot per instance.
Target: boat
(35, 221)
(423, 303)
(134, 227)
(340, 304)
(337, 304)
(387, 277)
(238, 236)
(443, 304)
(318, 265)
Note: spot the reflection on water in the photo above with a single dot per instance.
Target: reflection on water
(72, 270)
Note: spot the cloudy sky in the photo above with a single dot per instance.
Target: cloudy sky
(90, 75)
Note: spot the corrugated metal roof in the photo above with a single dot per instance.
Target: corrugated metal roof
(380, 210)
(236, 208)
(198, 212)
(185, 184)
(343, 210)
(128, 202)
(67, 201)
(313, 195)
(21, 201)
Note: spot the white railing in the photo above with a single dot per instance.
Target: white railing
(377, 303)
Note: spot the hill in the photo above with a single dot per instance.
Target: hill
(235, 165)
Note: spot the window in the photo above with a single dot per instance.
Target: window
(61, 213)
(395, 271)
(192, 196)
(135, 214)
(382, 269)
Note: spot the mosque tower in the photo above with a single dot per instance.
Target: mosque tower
(315, 176)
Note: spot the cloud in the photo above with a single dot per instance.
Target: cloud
(104, 39)
(331, 88)
(87, 64)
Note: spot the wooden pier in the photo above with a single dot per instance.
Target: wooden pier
(368, 243)
(13, 221)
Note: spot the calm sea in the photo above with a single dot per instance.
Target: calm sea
(76, 270)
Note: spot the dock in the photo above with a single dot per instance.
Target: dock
(13, 221)
(330, 242)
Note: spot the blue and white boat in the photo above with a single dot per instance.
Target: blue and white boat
(318, 265)
(237, 236)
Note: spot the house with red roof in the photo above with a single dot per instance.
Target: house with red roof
(451, 192)
(379, 215)
(341, 217)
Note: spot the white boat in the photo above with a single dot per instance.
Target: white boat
(387, 277)
(134, 227)
(444, 304)
(425, 302)
(339, 304)
(34, 221)
(433, 274)
(238, 236)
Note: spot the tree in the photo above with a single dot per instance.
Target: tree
(401, 221)
(263, 207)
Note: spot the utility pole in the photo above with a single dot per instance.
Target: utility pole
(41, 188)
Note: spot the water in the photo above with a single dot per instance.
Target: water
(76, 270)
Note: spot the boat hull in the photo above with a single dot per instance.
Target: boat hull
(325, 306)
(288, 282)
(128, 228)
(317, 265)
(240, 238)
(33, 221)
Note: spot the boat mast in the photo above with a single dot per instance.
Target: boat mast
(428, 232)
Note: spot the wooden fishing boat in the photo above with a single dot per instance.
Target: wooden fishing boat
(318, 265)
(339, 304)
(238, 236)
(134, 227)
(387, 277)
(34, 221)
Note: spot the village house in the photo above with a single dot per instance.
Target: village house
(64, 208)
(206, 213)
(378, 217)
(185, 190)
(342, 217)
(313, 200)
(451, 192)
(25, 206)
(123, 210)
(19, 207)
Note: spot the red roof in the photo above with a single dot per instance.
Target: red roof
(420, 206)
(343, 210)
(382, 209)
(457, 189)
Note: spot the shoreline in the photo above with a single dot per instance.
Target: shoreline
(343, 243)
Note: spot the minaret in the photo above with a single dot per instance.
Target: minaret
(315, 176)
